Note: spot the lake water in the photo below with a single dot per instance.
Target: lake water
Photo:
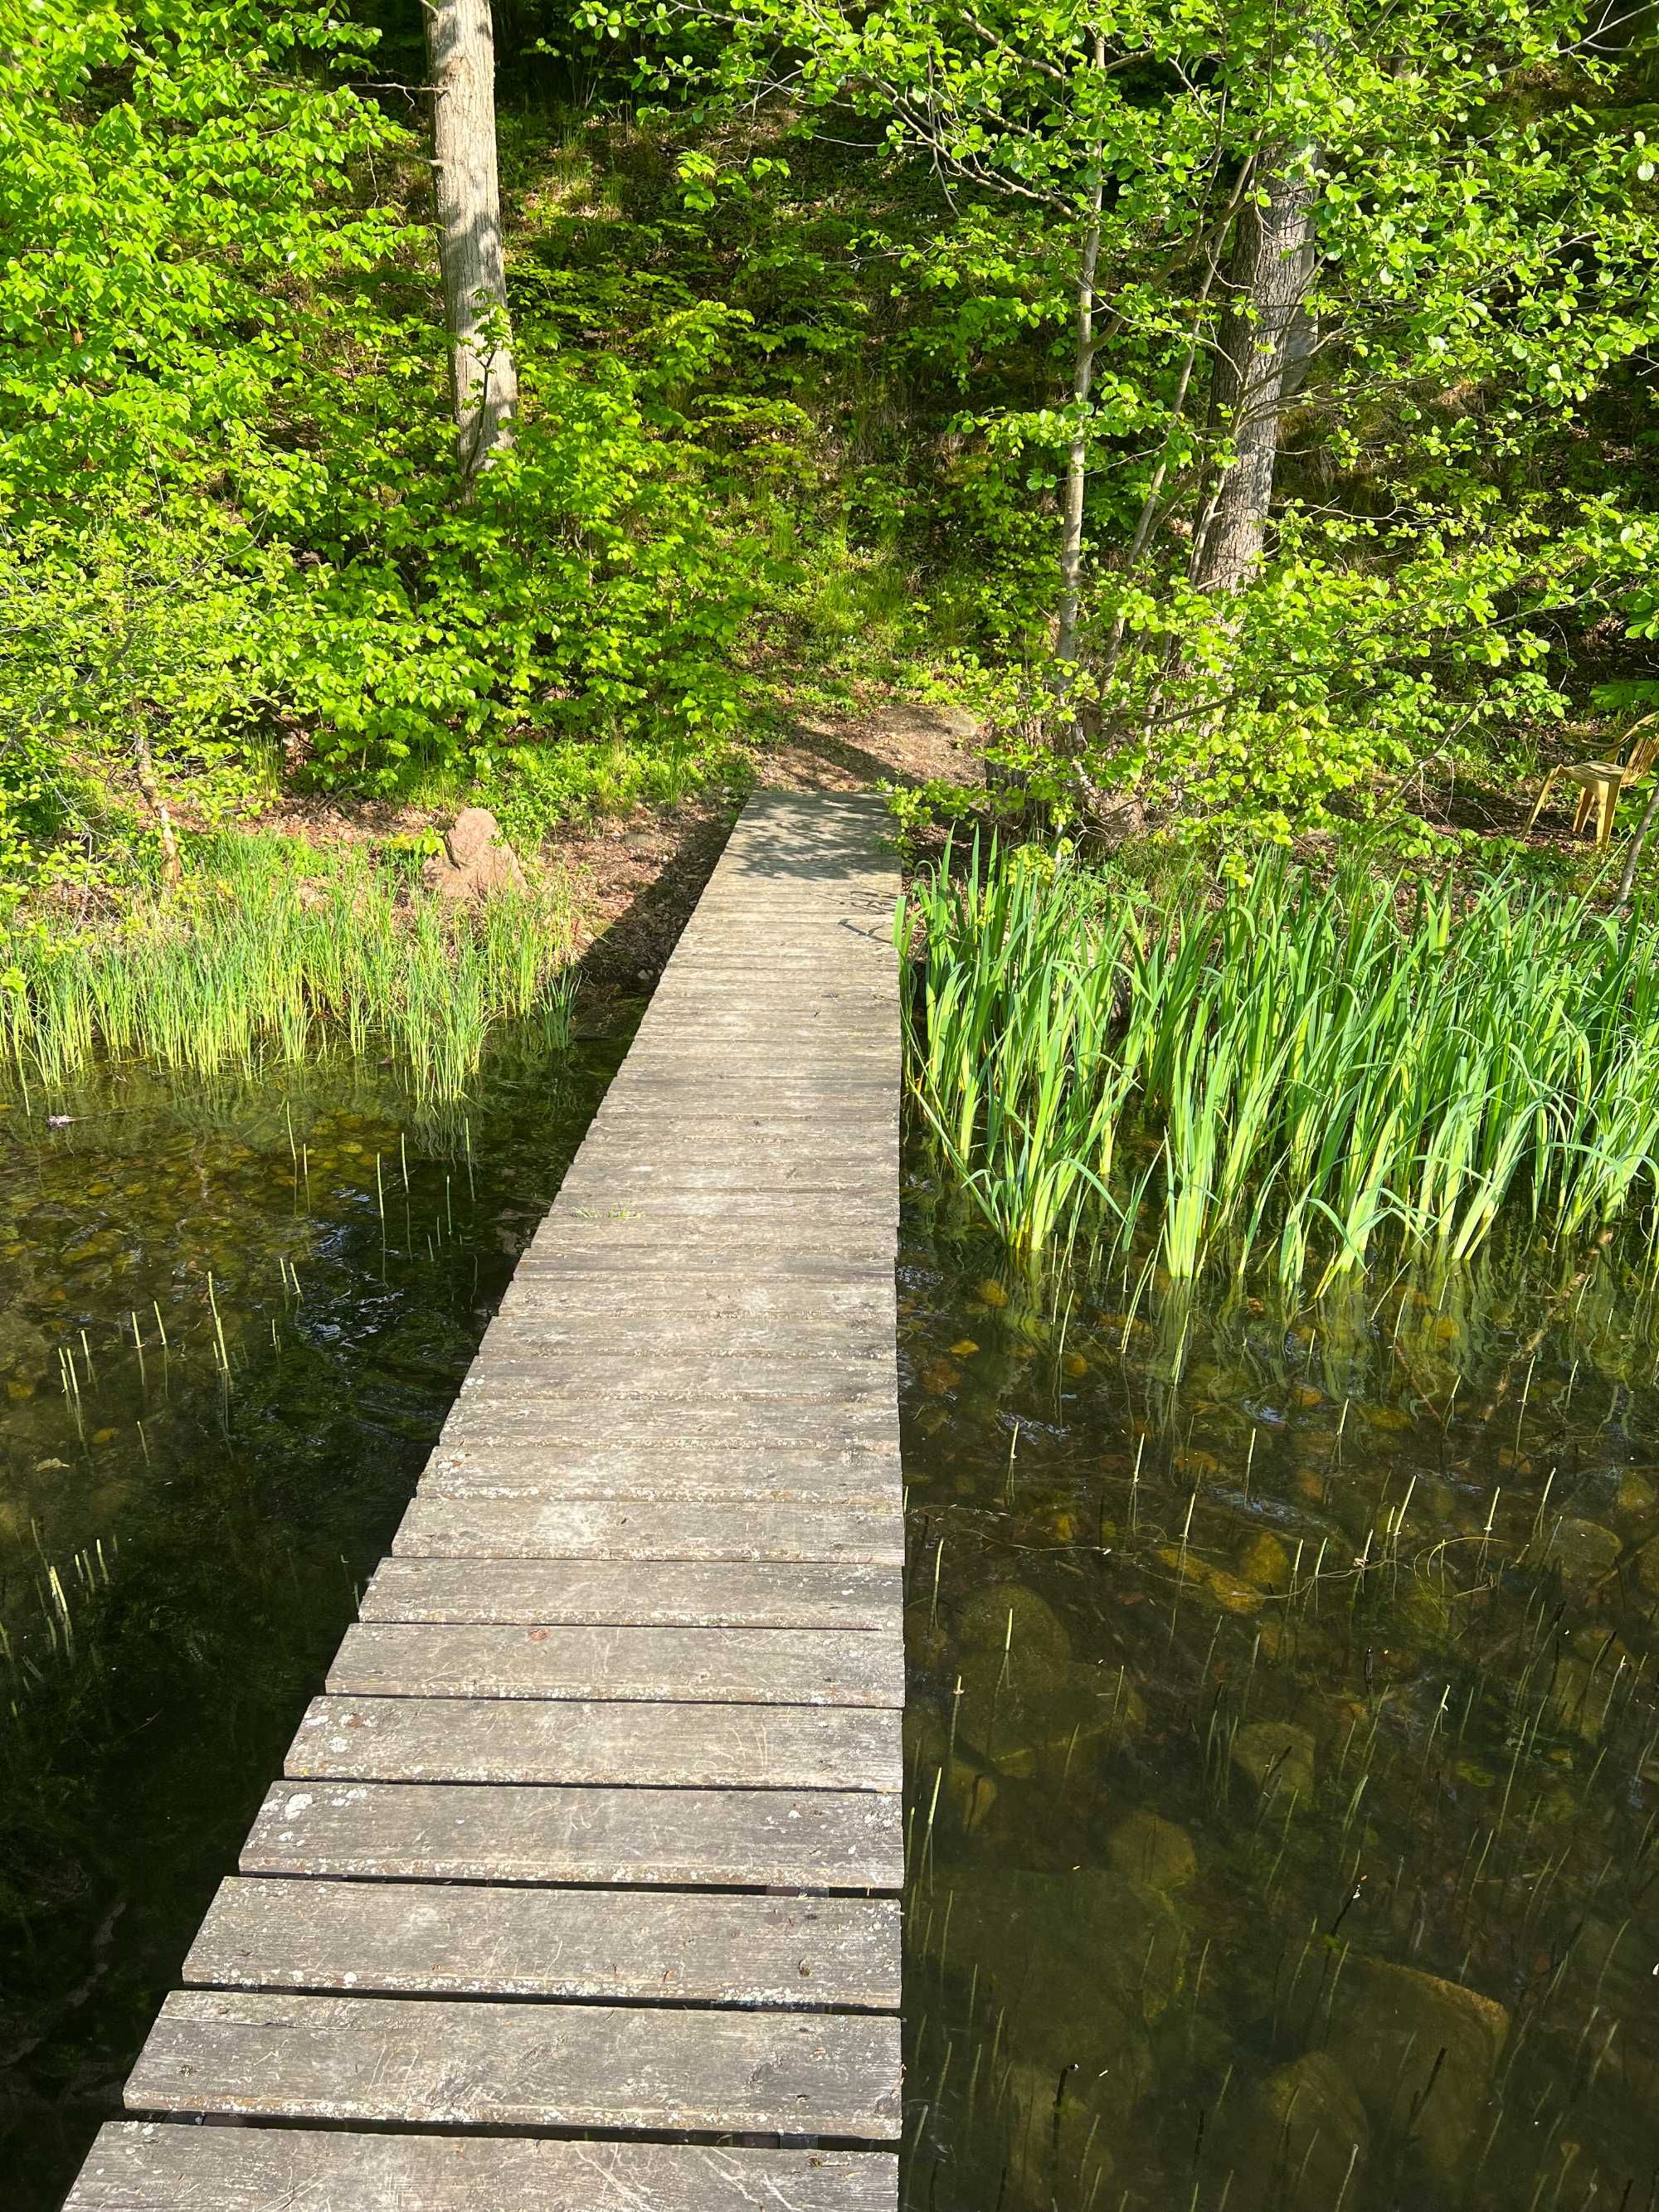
(1282, 1750)
(187, 1515)
(1283, 1782)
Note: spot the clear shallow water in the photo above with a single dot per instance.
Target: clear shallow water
(209, 1505)
(1281, 1759)
(1289, 1842)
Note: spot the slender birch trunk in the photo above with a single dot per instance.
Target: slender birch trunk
(143, 762)
(1077, 451)
(1262, 351)
(483, 382)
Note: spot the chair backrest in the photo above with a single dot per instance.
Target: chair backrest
(1641, 744)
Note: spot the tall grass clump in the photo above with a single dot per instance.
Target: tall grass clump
(271, 952)
(1294, 1074)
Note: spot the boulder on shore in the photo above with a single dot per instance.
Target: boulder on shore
(476, 861)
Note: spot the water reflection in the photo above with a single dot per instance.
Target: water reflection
(232, 1319)
(1282, 1752)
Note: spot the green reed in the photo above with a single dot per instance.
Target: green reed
(1288, 1075)
(255, 961)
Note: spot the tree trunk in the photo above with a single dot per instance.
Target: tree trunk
(1263, 346)
(1077, 453)
(484, 382)
(143, 760)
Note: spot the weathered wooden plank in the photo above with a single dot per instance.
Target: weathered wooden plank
(525, 1468)
(627, 1946)
(435, 2062)
(694, 1236)
(726, 1594)
(557, 1325)
(644, 1302)
(623, 1439)
(504, 1368)
(614, 1429)
(711, 1666)
(618, 1175)
(597, 1744)
(597, 1528)
(753, 1206)
(701, 1838)
(651, 1263)
(168, 2166)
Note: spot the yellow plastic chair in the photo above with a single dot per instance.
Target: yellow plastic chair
(1601, 782)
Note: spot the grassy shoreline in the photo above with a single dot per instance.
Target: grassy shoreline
(271, 948)
(1297, 1078)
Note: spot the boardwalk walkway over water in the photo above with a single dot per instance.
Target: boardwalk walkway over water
(580, 1889)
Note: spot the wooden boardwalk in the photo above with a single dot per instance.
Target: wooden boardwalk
(579, 1889)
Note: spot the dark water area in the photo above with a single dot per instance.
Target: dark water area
(1281, 1776)
(1283, 1758)
(232, 1319)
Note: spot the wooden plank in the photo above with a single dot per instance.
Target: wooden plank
(724, 1595)
(626, 1946)
(588, 1743)
(599, 1528)
(166, 2166)
(487, 1460)
(663, 1666)
(632, 1453)
(854, 1256)
(435, 2062)
(693, 1237)
(868, 1299)
(617, 1175)
(698, 1838)
(634, 1376)
(557, 1325)
(617, 1431)
(775, 1207)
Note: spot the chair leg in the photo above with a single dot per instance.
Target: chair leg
(1609, 797)
(1581, 813)
(1549, 785)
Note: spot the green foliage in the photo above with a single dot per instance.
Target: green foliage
(1295, 1077)
(1481, 272)
(798, 355)
(230, 529)
(269, 948)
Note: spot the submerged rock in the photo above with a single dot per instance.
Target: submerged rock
(1583, 1547)
(1060, 2129)
(1278, 1757)
(1265, 1562)
(1007, 1617)
(967, 1786)
(1027, 1706)
(1580, 1693)
(1422, 2053)
(1226, 1589)
(1044, 1728)
(1153, 1852)
(24, 1350)
(1304, 2134)
(1083, 1962)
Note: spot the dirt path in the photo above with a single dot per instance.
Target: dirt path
(640, 877)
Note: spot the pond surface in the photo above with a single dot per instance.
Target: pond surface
(1282, 1757)
(232, 1320)
(1281, 1762)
